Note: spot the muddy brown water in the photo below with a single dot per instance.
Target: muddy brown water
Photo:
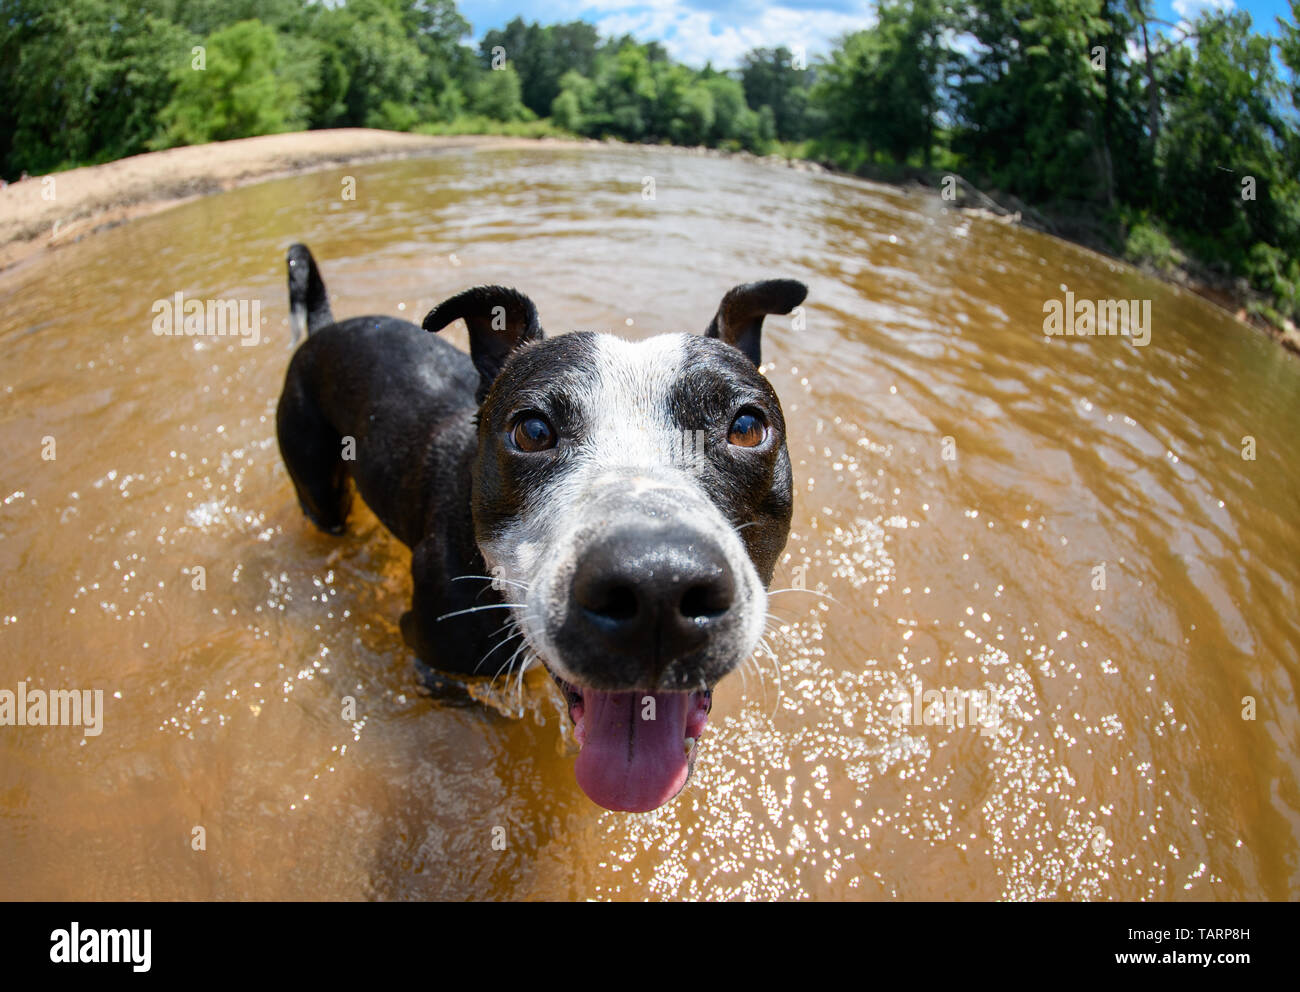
(960, 479)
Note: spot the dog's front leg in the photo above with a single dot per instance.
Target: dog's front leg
(457, 626)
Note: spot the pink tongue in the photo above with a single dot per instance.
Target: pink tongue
(627, 762)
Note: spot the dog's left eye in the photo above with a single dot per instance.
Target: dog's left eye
(532, 432)
(748, 429)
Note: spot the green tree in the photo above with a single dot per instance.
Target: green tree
(204, 17)
(82, 80)
(238, 94)
(771, 80)
(638, 94)
(1031, 101)
(541, 56)
(496, 94)
(694, 116)
(881, 87)
(1223, 126)
(449, 67)
(734, 123)
(372, 58)
(1288, 47)
(566, 108)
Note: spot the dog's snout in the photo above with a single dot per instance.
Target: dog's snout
(641, 590)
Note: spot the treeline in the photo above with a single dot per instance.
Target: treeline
(1161, 140)
(1085, 108)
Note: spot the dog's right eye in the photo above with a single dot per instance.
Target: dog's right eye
(748, 429)
(532, 432)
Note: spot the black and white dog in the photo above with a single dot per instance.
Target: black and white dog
(622, 503)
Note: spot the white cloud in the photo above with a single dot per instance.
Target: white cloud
(696, 36)
(1189, 10)
(699, 31)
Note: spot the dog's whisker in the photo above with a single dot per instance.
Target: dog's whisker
(523, 644)
(524, 663)
(510, 664)
(500, 644)
(506, 667)
(518, 673)
(776, 667)
(810, 592)
(758, 674)
(475, 609)
(502, 627)
(493, 578)
(512, 632)
(496, 647)
(497, 674)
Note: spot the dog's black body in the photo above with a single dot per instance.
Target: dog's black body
(650, 589)
(407, 400)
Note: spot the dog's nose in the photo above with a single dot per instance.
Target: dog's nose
(653, 594)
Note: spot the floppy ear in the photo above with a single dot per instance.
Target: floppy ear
(739, 320)
(499, 321)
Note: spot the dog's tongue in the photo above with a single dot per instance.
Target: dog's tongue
(628, 762)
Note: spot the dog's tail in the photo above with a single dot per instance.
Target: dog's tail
(309, 307)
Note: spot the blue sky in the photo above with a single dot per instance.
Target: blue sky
(696, 31)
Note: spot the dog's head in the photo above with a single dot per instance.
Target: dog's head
(632, 498)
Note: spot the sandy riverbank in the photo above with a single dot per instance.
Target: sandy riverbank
(42, 213)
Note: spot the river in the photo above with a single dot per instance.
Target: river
(1086, 547)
